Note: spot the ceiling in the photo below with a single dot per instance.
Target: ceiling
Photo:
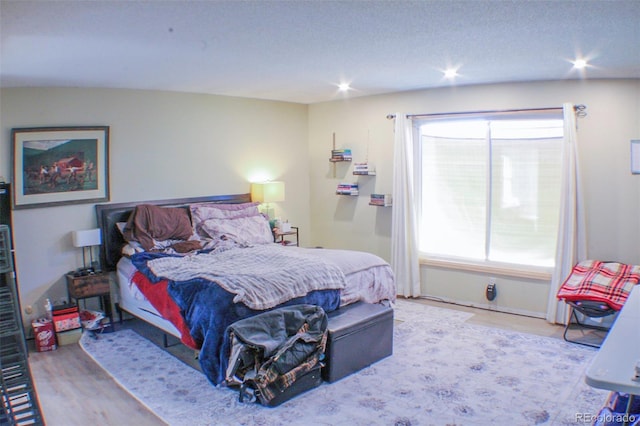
(299, 51)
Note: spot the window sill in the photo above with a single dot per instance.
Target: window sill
(496, 269)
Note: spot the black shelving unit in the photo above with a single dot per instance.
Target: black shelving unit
(18, 400)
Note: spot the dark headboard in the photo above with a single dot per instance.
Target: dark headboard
(110, 214)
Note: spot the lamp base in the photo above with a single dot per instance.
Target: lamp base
(268, 211)
(271, 213)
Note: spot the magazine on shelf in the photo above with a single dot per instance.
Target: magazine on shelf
(364, 169)
(383, 200)
(341, 155)
(346, 188)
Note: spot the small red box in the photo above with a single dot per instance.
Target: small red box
(44, 336)
(66, 318)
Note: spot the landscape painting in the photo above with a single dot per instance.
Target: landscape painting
(65, 165)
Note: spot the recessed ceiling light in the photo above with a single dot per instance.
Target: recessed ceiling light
(580, 64)
(450, 73)
(343, 87)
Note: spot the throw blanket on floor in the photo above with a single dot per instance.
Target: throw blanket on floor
(594, 280)
(208, 309)
(261, 276)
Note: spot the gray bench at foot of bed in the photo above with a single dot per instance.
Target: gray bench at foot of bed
(359, 335)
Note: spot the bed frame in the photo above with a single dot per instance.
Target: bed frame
(108, 215)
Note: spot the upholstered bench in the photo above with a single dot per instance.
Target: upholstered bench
(359, 335)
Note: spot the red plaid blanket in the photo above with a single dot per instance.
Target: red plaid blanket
(594, 280)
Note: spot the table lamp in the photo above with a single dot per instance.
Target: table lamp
(268, 192)
(87, 239)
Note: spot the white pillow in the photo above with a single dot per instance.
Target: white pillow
(201, 212)
(243, 230)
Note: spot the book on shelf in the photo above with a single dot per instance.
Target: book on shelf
(347, 189)
(383, 200)
(341, 155)
(364, 169)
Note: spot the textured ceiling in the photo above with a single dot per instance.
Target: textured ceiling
(298, 51)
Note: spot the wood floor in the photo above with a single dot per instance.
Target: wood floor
(74, 390)
(497, 319)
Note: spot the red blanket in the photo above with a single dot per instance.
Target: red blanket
(157, 295)
(594, 280)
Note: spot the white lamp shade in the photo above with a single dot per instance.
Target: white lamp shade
(87, 238)
(267, 192)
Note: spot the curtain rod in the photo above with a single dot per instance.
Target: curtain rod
(579, 109)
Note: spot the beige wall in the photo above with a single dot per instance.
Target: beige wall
(163, 145)
(166, 145)
(612, 194)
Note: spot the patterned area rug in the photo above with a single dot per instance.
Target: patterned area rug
(443, 372)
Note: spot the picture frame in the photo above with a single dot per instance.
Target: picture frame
(55, 166)
(635, 156)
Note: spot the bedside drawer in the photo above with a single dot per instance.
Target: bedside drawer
(87, 286)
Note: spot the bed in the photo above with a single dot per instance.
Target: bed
(232, 273)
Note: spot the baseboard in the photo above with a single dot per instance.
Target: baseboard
(487, 307)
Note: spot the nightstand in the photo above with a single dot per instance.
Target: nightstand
(94, 285)
(281, 237)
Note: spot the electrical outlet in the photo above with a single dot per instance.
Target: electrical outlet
(491, 292)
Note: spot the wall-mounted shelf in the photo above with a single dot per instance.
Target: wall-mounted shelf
(364, 169)
(381, 200)
(346, 188)
(339, 155)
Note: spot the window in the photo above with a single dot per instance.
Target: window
(490, 189)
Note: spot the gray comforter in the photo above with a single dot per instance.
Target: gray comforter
(261, 276)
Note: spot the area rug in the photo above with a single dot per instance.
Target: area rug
(443, 371)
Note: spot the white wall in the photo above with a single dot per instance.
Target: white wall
(612, 194)
(163, 145)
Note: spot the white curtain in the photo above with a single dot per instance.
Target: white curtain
(404, 232)
(571, 245)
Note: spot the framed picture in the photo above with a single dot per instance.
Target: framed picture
(60, 165)
(635, 156)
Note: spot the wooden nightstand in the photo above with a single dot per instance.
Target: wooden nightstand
(280, 237)
(94, 285)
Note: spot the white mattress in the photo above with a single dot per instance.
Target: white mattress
(134, 302)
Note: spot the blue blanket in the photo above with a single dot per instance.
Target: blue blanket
(208, 310)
